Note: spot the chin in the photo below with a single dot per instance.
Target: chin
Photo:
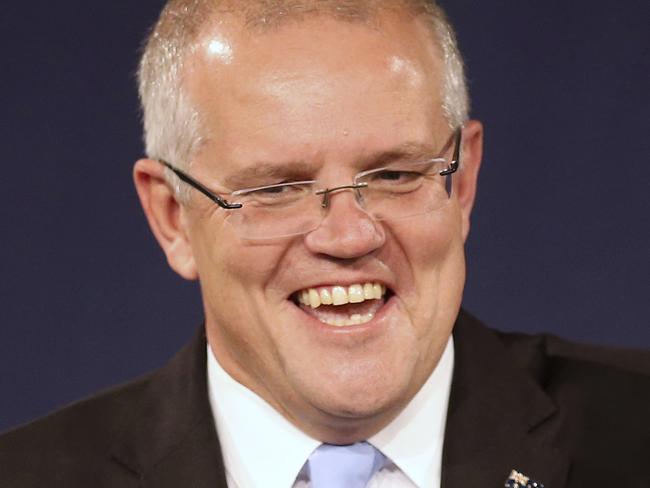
(369, 407)
(364, 390)
(342, 421)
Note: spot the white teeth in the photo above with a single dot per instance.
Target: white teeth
(340, 295)
(367, 291)
(378, 291)
(314, 298)
(355, 319)
(325, 296)
(355, 294)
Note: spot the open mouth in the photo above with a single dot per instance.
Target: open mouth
(343, 306)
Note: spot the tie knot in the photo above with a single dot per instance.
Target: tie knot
(350, 466)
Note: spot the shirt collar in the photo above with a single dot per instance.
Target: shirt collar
(414, 439)
(252, 433)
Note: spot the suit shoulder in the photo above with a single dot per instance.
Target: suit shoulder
(538, 351)
(83, 431)
(602, 394)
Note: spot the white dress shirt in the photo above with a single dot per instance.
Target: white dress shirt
(261, 449)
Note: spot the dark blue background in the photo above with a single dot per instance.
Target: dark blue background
(560, 233)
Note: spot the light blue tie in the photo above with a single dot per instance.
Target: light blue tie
(349, 466)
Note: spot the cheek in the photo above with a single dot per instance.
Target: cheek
(238, 305)
(430, 245)
(433, 249)
(435, 239)
(227, 262)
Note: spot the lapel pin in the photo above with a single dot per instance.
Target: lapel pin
(520, 480)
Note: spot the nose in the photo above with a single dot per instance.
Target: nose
(347, 230)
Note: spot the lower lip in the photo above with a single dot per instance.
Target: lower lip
(373, 325)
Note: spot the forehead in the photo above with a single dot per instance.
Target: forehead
(316, 88)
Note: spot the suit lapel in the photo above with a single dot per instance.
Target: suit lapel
(170, 438)
(499, 419)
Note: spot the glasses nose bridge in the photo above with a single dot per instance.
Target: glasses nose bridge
(346, 229)
(355, 187)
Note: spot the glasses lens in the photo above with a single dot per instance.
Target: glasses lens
(276, 211)
(405, 190)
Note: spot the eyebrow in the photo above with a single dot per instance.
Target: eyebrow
(271, 173)
(265, 172)
(406, 150)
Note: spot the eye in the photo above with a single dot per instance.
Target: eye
(273, 190)
(281, 194)
(402, 177)
(397, 176)
(395, 181)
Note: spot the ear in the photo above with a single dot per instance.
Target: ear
(467, 176)
(165, 216)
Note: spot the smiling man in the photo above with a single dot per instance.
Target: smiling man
(283, 107)
(313, 166)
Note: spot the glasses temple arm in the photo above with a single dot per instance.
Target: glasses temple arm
(455, 160)
(198, 186)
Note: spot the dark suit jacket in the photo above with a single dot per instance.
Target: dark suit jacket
(566, 415)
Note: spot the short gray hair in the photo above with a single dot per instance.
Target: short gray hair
(172, 129)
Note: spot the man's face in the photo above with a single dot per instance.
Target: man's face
(336, 97)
